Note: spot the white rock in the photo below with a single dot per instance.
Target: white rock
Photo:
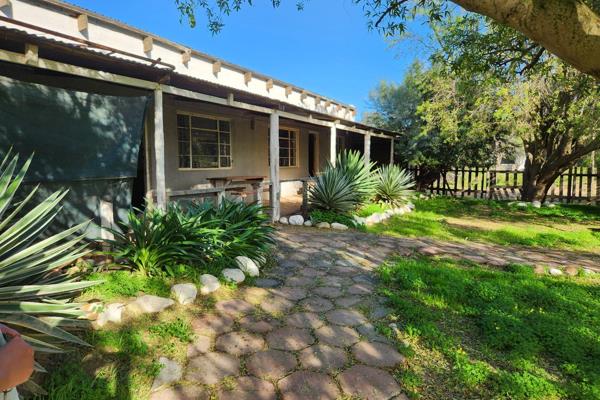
(323, 225)
(550, 205)
(338, 226)
(555, 271)
(308, 223)
(374, 218)
(588, 271)
(209, 283)
(389, 213)
(170, 372)
(410, 206)
(283, 221)
(111, 313)
(234, 275)
(296, 220)
(247, 266)
(536, 204)
(149, 304)
(522, 204)
(360, 220)
(184, 293)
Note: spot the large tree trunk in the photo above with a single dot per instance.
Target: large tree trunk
(567, 28)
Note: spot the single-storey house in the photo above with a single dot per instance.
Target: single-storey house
(121, 116)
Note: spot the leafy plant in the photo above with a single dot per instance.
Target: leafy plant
(332, 191)
(359, 173)
(155, 241)
(35, 293)
(393, 184)
(317, 216)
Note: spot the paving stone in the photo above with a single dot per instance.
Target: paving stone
(276, 305)
(321, 357)
(212, 324)
(234, 307)
(290, 338)
(248, 388)
(363, 279)
(301, 281)
(348, 301)
(254, 295)
(368, 383)
(334, 335)
(267, 282)
(200, 345)
(369, 331)
(239, 343)
(211, 368)
(290, 293)
(328, 291)
(361, 289)
(345, 317)
(376, 354)
(305, 385)
(271, 364)
(334, 281)
(258, 325)
(181, 392)
(311, 272)
(379, 312)
(316, 304)
(170, 372)
(304, 320)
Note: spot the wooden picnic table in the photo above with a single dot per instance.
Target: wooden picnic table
(253, 180)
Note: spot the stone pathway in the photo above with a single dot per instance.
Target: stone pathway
(307, 331)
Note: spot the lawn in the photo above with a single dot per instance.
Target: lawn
(476, 333)
(571, 227)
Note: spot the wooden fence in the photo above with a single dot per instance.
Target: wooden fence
(577, 184)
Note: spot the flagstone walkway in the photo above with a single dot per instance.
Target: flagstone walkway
(307, 331)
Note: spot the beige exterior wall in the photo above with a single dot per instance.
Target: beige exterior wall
(249, 145)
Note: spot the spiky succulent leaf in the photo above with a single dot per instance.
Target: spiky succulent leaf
(332, 191)
(393, 184)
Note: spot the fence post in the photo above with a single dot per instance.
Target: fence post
(597, 186)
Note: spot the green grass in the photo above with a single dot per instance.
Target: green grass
(371, 208)
(119, 284)
(572, 227)
(482, 333)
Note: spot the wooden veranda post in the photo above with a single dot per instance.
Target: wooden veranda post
(159, 150)
(332, 144)
(392, 151)
(367, 148)
(275, 194)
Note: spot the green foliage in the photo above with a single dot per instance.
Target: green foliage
(317, 216)
(371, 208)
(506, 334)
(332, 191)
(359, 173)
(35, 292)
(126, 284)
(393, 185)
(498, 222)
(178, 328)
(155, 241)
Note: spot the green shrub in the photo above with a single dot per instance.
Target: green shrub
(35, 292)
(332, 191)
(359, 173)
(393, 184)
(317, 216)
(203, 236)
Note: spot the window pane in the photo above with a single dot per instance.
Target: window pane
(283, 143)
(204, 136)
(204, 123)
(283, 134)
(184, 149)
(225, 138)
(204, 162)
(283, 153)
(292, 161)
(224, 126)
(225, 162)
(225, 150)
(184, 162)
(284, 162)
(183, 120)
(183, 134)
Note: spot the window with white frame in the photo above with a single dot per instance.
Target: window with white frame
(288, 142)
(204, 142)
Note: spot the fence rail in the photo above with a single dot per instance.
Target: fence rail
(577, 184)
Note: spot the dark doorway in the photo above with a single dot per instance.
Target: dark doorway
(138, 189)
(312, 157)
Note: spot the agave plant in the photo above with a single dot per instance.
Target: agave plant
(358, 172)
(393, 184)
(332, 191)
(35, 294)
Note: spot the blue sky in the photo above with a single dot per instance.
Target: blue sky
(325, 48)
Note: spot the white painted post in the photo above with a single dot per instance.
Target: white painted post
(392, 151)
(275, 194)
(159, 150)
(367, 148)
(332, 144)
